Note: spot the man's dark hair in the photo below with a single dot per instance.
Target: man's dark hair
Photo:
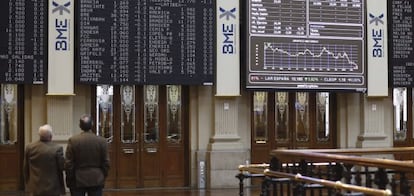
(85, 123)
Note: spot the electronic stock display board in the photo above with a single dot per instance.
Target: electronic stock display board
(23, 41)
(145, 42)
(306, 44)
(401, 54)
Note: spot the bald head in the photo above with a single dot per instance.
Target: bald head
(45, 133)
(86, 122)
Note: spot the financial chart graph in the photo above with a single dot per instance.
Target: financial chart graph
(302, 56)
(306, 44)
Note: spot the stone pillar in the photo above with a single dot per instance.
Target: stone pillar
(60, 116)
(376, 131)
(225, 125)
(225, 151)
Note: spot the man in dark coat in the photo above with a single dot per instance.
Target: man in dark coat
(87, 161)
(43, 165)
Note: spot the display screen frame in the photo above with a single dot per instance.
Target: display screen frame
(289, 35)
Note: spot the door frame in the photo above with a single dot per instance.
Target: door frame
(116, 151)
(260, 150)
(12, 156)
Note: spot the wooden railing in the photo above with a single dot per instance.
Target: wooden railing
(250, 171)
(344, 157)
(338, 185)
(332, 172)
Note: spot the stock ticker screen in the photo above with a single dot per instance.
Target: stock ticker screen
(23, 41)
(401, 45)
(145, 42)
(306, 44)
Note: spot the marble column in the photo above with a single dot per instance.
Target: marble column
(376, 129)
(60, 116)
(225, 151)
(225, 125)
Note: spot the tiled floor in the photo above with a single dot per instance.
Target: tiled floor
(183, 192)
(166, 192)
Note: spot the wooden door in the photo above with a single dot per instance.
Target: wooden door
(11, 137)
(291, 120)
(127, 123)
(403, 120)
(174, 140)
(164, 154)
(147, 135)
(151, 142)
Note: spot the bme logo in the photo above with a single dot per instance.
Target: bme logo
(61, 8)
(377, 35)
(61, 26)
(228, 31)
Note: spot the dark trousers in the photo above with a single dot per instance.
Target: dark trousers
(92, 191)
(42, 195)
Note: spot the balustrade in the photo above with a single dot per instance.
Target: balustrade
(332, 172)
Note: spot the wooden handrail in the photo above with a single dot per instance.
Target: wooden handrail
(360, 151)
(327, 183)
(315, 155)
(254, 168)
(263, 169)
(348, 157)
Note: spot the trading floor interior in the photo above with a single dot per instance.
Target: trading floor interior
(186, 91)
